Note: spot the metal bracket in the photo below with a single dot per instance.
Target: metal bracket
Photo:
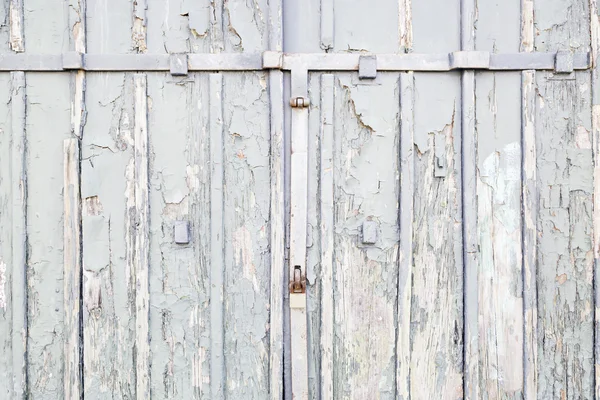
(178, 64)
(441, 166)
(564, 62)
(367, 67)
(72, 60)
(469, 60)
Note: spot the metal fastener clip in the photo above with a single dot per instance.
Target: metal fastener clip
(298, 282)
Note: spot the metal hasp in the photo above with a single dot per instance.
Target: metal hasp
(298, 232)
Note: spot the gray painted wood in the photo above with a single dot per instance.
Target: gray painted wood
(387, 319)
(565, 219)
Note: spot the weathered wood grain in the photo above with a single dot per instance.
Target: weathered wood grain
(498, 208)
(565, 219)
(437, 274)
(108, 212)
(327, 235)
(437, 305)
(139, 26)
(72, 269)
(73, 377)
(141, 237)
(407, 193)
(16, 36)
(530, 198)
(217, 255)
(365, 275)
(6, 270)
(48, 124)
(246, 196)
(499, 259)
(472, 356)
(15, 265)
(595, 49)
(179, 278)
(46, 324)
(277, 209)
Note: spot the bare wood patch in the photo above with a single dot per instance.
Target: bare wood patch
(17, 41)
(72, 269)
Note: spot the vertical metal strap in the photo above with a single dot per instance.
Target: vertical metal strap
(298, 209)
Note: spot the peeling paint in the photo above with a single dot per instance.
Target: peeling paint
(2, 285)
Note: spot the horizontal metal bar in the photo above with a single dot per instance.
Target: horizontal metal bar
(461, 60)
(433, 62)
(128, 62)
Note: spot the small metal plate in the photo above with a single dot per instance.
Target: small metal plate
(182, 232)
(564, 62)
(369, 232)
(178, 64)
(367, 67)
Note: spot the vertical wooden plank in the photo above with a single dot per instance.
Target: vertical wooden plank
(499, 257)
(530, 197)
(365, 277)
(529, 247)
(46, 30)
(437, 318)
(217, 262)
(277, 208)
(142, 232)
(498, 207)
(595, 50)
(19, 237)
(108, 214)
(16, 36)
(327, 229)
(469, 206)
(6, 243)
(246, 198)
(72, 218)
(72, 269)
(565, 215)
(407, 192)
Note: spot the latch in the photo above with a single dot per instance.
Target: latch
(299, 102)
(298, 281)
